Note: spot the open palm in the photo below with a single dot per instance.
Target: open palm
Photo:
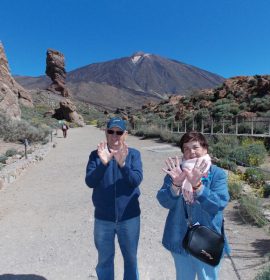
(121, 154)
(103, 152)
(174, 170)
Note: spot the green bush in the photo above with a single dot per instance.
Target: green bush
(267, 143)
(203, 114)
(152, 131)
(11, 152)
(225, 108)
(166, 136)
(3, 159)
(36, 116)
(255, 177)
(13, 131)
(244, 128)
(222, 146)
(234, 186)
(264, 275)
(235, 190)
(101, 123)
(138, 133)
(227, 164)
(260, 104)
(266, 190)
(250, 207)
(89, 113)
(253, 154)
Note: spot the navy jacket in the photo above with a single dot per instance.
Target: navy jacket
(115, 190)
(207, 209)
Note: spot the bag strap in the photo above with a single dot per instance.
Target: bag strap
(189, 218)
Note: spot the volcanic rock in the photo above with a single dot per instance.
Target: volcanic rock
(55, 69)
(11, 93)
(68, 112)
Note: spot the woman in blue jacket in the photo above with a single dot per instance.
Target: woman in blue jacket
(198, 188)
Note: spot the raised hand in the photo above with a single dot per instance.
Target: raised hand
(194, 176)
(103, 152)
(174, 170)
(121, 154)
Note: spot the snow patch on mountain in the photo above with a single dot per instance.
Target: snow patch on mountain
(138, 56)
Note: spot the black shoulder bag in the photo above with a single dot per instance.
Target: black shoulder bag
(203, 243)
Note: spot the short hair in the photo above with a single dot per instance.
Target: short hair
(193, 136)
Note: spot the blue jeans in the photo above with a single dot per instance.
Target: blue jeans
(127, 232)
(187, 267)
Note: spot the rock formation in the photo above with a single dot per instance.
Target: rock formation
(244, 96)
(55, 69)
(68, 112)
(11, 93)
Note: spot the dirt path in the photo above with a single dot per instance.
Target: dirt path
(46, 219)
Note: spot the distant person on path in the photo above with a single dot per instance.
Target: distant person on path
(64, 129)
(114, 171)
(202, 188)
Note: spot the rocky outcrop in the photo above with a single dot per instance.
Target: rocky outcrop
(11, 93)
(68, 112)
(243, 96)
(55, 69)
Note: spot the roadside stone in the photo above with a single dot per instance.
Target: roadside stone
(17, 156)
(2, 182)
(10, 160)
(17, 164)
(267, 214)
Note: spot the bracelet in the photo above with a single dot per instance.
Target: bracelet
(176, 185)
(197, 186)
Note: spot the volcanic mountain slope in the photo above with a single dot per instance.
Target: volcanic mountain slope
(146, 73)
(132, 81)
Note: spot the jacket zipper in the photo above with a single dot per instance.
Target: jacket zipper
(114, 179)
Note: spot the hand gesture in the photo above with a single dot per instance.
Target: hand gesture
(174, 170)
(194, 176)
(103, 152)
(121, 154)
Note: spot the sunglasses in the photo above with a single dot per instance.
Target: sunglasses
(119, 133)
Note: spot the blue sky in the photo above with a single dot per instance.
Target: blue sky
(228, 37)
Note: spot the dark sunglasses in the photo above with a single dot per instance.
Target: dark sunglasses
(119, 133)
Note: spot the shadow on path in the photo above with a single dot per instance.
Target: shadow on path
(21, 277)
(261, 247)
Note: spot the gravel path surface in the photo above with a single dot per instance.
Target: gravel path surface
(46, 219)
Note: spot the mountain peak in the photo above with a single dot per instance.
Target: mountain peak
(137, 56)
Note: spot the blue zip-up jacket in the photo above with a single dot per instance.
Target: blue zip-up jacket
(115, 189)
(207, 209)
